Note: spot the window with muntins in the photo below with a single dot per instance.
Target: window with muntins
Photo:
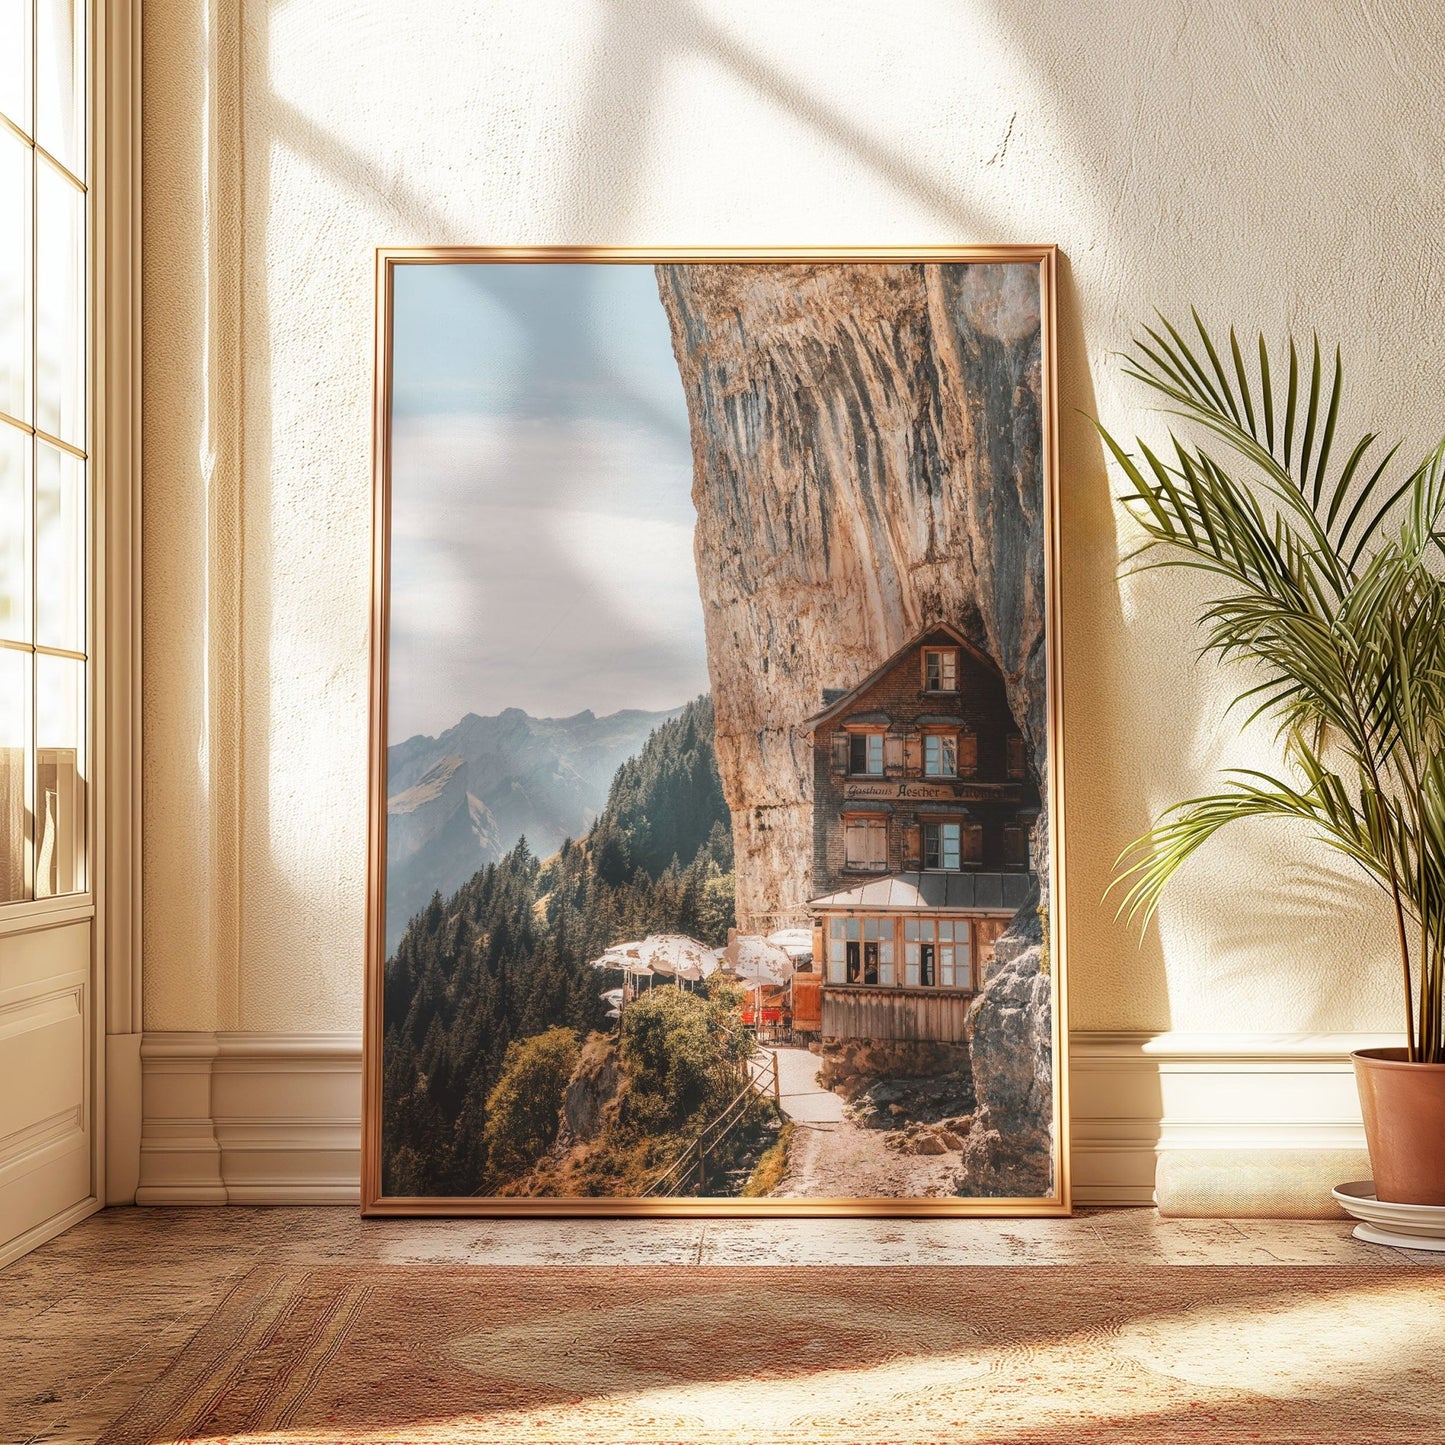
(862, 951)
(937, 953)
(942, 846)
(44, 458)
(940, 755)
(940, 669)
(866, 754)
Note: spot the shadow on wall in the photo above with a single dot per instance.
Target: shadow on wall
(286, 673)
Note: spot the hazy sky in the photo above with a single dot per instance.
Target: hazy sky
(541, 497)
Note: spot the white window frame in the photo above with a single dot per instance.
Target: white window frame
(940, 755)
(951, 940)
(111, 900)
(948, 663)
(848, 937)
(873, 751)
(938, 834)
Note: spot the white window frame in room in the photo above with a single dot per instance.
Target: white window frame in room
(110, 902)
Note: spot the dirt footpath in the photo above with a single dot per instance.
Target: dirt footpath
(833, 1158)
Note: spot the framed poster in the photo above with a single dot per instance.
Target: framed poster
(715, 791)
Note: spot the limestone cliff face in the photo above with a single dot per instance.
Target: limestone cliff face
(867, 461)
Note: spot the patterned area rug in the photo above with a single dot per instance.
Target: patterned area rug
(429, 1354)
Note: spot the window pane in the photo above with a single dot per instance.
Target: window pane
(59, 549)
(59, 306)
(15, 173)
(59, 775)
(59, 82)
(14, 718)
(15, 55)
(14, 533)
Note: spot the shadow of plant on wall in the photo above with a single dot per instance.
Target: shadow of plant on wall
(1327, 589)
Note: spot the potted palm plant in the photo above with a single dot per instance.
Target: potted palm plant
(1327, 563)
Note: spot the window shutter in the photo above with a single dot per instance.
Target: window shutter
(967, 754)
(1016, 764)
(893, 751)
(913, 846)
(913, 755)
(818, 948)
(972, 842)
(1015, 846)
(840, 751)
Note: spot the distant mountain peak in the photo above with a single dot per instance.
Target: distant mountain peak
(430, 786)
(461, 800)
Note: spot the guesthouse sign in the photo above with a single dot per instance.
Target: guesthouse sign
(878, 790)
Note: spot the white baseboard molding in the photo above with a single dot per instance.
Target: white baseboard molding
(1233, 1124)
(1259, 1125)
(250, 1118)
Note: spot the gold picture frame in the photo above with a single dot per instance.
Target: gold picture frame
(1034, 261)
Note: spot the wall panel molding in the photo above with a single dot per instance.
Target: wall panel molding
(1232, 1124)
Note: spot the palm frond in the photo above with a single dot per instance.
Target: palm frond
(1329, 593)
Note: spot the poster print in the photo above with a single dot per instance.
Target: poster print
(715, 775)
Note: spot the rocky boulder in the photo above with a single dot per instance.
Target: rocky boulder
(593, 1098)
(1008, 1151)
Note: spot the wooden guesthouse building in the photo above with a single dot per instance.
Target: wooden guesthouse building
(923, 811)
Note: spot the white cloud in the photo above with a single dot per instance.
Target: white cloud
(542, 565)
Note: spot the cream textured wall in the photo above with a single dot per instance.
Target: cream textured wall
(1277, 164)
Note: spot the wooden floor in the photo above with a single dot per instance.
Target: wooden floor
(87, 1321)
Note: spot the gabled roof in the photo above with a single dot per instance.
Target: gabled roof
(844, 700)
(935, 892)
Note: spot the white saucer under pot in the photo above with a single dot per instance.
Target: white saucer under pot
(1403, 1226)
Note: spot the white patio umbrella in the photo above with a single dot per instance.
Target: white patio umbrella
(757, 960)
(673, 955)
(628, 965)
(617, 958)
(796, 942)
(612, 996)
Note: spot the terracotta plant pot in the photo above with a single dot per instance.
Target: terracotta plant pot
(1404, 1109)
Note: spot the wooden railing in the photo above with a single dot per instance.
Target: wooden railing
(692, 1163)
